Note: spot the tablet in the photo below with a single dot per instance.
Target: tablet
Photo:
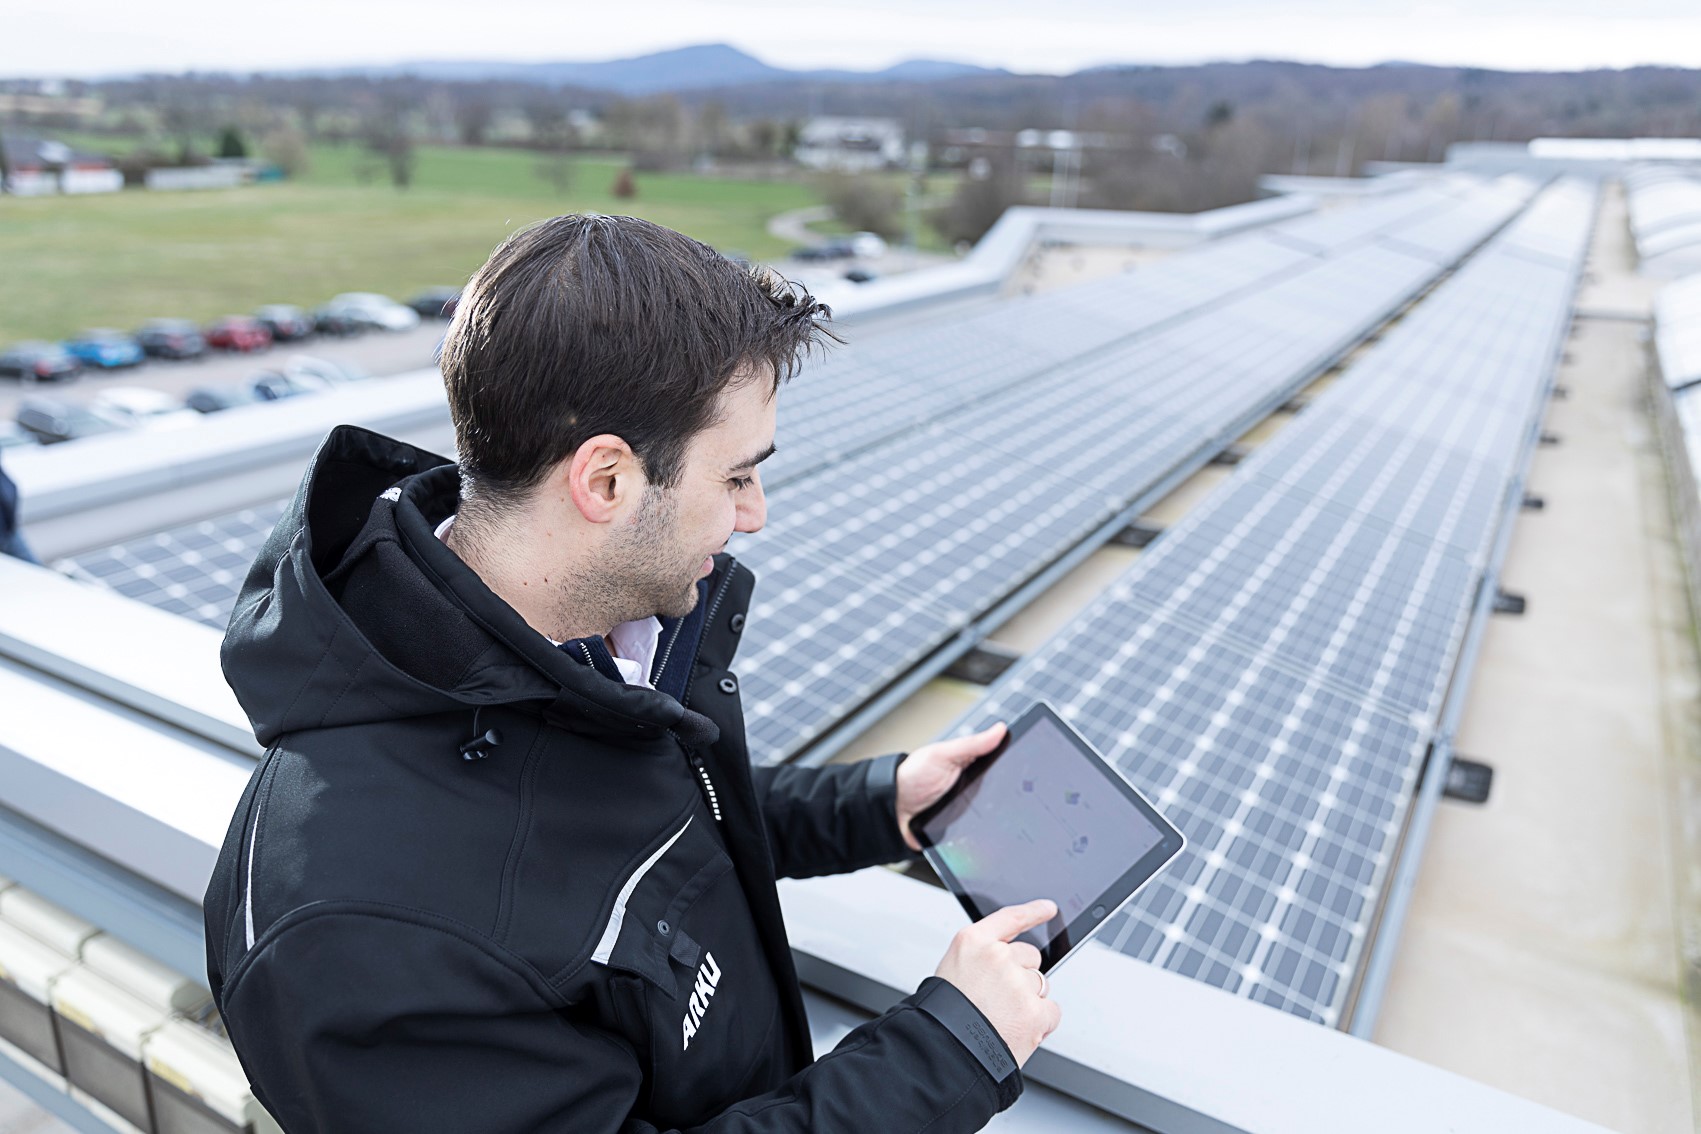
(1044, 816)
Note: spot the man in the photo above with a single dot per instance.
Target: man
(505, 866)
(11, 535)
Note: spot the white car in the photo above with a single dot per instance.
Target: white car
(139, 408)
(376, 310)
(323, 369)
(867, 245)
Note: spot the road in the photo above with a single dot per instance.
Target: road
(793, 226)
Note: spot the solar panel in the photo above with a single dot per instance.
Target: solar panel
(853, 399)
(1273, 669)
(1288, 791)
(1327, 229)
(957, 515)
(894, 381)
(1446, 235)
(194, 570)
(829, 659)
(1368, 608)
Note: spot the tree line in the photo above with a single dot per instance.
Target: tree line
(1165, 138)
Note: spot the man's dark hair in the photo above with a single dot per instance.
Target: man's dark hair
(586, 324)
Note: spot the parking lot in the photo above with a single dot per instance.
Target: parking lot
(377, 353)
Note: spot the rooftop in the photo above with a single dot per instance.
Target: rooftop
(1263, 583)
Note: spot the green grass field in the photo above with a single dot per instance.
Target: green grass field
(118, 259)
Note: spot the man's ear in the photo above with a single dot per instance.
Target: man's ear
(603, 478)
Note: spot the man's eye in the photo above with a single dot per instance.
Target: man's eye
(742, 481)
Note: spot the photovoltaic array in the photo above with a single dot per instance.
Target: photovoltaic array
(887, 382)
(959, 484)
(1273, 670)
(910, 495)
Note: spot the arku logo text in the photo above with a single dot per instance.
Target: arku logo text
(708, 980)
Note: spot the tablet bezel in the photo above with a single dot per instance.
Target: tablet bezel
(1118, 894)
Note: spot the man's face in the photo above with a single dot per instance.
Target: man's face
(667, 545)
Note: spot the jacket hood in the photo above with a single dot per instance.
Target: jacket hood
(355, 612)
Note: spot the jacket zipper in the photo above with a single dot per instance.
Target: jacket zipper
(696, 760)
(673, 639)
(709, 621)
(726, 585)
(708, 786)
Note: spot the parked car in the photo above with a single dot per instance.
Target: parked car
(832, 250)
(436, 302)
(214, 399)
(15, 436)
(867, 245)
(372, 311)
(339, 321)
(54, 421)
(287, 323)
(276, 385)
(302, 374)
(324, 370)
(139, 408)
(106, 349)
(238, 332)
(861, 275)
(861, 245)
(39, 362)
(171, 338)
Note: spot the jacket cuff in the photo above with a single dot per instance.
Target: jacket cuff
(946, 1003)
(880, 782)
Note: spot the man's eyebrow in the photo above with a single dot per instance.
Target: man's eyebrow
(756, 460)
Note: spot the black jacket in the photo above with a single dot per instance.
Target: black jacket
(573, 928)
(11, 539)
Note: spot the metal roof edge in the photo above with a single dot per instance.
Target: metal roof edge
(1002, 250)
(74, 476)
(1172, 1054)
(123, 650)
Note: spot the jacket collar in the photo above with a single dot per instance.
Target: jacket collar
(354, 612)
(591, 697)
(676, 648)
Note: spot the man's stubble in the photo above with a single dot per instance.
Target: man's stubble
(643, 573)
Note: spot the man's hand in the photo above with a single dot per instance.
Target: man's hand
(929, 771)
(1001, 976)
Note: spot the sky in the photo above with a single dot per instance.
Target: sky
(90, 38)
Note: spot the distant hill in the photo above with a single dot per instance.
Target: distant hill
(682, 69)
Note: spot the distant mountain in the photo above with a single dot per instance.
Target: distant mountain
(926, 70)
(682, 69)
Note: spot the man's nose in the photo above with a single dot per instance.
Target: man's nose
(752, 508)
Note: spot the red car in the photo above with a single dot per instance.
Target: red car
(238, 332)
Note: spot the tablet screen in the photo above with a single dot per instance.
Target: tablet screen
(1045, 819)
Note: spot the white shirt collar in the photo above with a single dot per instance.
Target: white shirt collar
(636, 641)
(631, 644)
